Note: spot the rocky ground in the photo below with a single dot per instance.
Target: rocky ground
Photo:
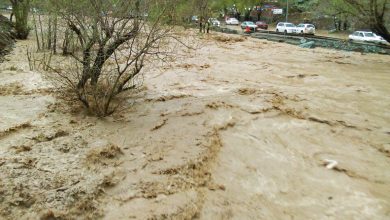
(239, 129)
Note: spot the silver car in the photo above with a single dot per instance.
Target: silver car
(286, 27)
(214, 22)
(249, 24)
(306, 29)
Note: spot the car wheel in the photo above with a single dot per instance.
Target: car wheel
(285, 31)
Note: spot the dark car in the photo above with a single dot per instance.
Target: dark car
(262, 25)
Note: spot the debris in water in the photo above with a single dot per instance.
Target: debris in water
(330, 164)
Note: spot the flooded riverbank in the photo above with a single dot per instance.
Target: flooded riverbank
(239, 129)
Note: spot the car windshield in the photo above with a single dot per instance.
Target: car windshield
(369, 34)
(301, 25)
(250, 23)
(290, 25)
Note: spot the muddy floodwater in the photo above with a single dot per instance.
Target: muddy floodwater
(238, 129)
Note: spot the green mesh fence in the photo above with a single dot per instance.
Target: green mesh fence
(314, 41)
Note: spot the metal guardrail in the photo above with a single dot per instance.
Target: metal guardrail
(317, 41)
(5, 11)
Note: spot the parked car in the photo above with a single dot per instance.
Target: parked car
(286, 27)
(232, 21)
(195, 19)
(366, 36)
(306, 29)
(9, 8)
(262, 25)
(249, 24)
(214, 22)
(34, 10)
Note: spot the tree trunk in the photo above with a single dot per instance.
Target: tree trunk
(55, 35)
(97, 67)
(41, 28)
(36, 33)
(20, 11)
(381, 29)
(49, 34)
(66, 43)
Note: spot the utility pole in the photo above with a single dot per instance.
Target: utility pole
(287, 12)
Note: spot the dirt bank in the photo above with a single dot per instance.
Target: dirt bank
(6, 36)
(240, 129)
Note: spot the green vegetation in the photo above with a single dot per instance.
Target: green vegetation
(6, 34)
(109, 45)
(374, 13)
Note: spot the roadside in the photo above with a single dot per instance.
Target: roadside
(319, 32)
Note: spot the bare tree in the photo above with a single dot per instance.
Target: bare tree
(202, 8)
(117, 40)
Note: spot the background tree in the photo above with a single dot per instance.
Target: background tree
(116, 40)
(372, 12)
(20, 9)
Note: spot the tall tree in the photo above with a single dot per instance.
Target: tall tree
(372, 12)
(20, 9)
(115, 39)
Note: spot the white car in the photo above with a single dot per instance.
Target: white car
(306, 29)
(286, 27)
(232, 21)
(214, 22)
(249, 24)
(366, 36)
(195, 19)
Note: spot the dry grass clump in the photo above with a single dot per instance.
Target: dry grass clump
(229, 39)
(42, 137)
(246, 91)
(11, 89)
(218, 104)
(15, 129)
(103, 153)
(13, 68)
(168, 98)
(185, 66)
(21, 148)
